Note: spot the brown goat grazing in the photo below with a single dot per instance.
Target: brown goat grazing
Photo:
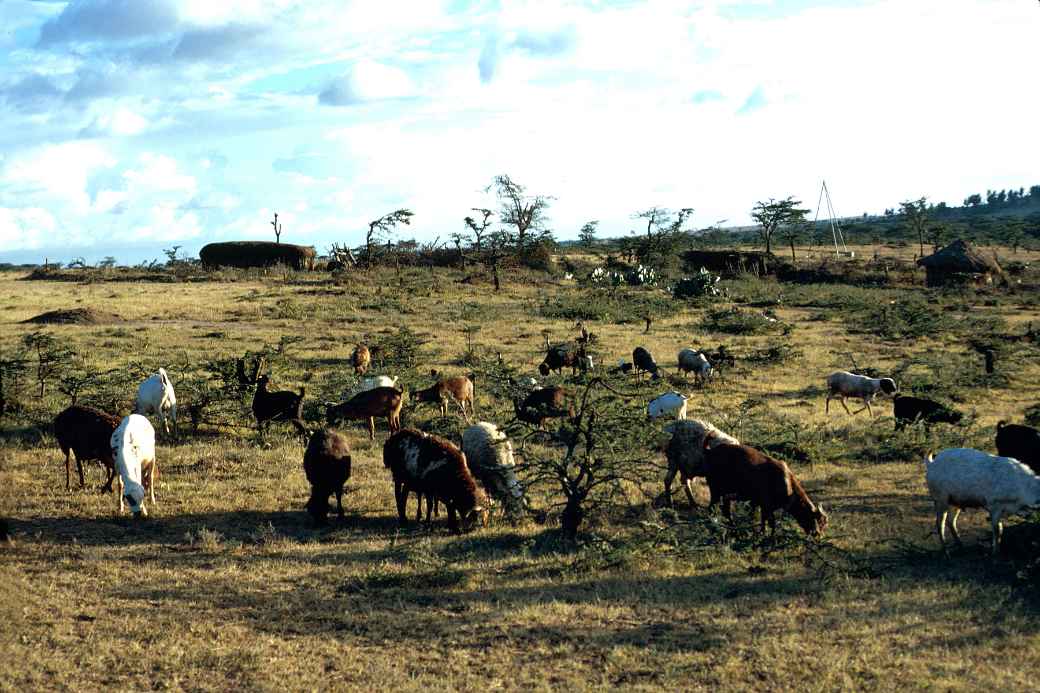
(741, 472)
(281, 405)
(326, 463)
(86, 432)
(542, 404)
(559, 357)
(435, 468)
(380, 401)
(459, 389)
(360, 359)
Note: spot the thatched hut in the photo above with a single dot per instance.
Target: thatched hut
(257, 254)
(959, 262)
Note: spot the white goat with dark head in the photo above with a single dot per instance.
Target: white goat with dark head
(844, 384)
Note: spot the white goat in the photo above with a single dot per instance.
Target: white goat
(965, 478)
(372, 382)
(489, 455)
(691, 360)
(685, 452)
(844, 384)
(133, 448)
(668, 404)
(155, 396)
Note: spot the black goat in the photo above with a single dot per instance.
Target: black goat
(1020, 442)
(282, 405)
(909, 410)
(643, 361)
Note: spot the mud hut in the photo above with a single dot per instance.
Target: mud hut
(959, 262)
(257, 254)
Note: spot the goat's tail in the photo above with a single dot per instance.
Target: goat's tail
(1001, 424)
(303, 391)
(928, 459)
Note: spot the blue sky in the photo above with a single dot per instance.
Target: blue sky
(127, 126)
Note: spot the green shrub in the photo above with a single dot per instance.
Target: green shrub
(909, 317)
(744, 322)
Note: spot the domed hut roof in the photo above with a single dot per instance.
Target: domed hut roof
(957, 259)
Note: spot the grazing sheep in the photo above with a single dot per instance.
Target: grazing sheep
(360, 359)
(372, 382)
(87, 433)
(844, 384)
(437, 469)
(542, 404)
(965, 478)
(155, 396)
(326, 462)
(281, 405)
(668, 404)
(643, 362)
(458, 389)
(381, 401)
(1020, 442)
(910, 410)
(742, 473)
(685, 452)
(133, 447)
(696, 362)
(489, 455)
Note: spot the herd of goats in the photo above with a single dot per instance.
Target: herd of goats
(469, 479)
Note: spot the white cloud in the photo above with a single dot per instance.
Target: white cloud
(158, 173)
(120, 122)
(60, 171)
(28, 227)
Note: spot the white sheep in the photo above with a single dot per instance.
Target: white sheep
(133, 448)
(965, 478)
(685, 452)
(489, 455)
(844, 384)
(691, 360)
(372, 382)
(668, 404)
(155, 396)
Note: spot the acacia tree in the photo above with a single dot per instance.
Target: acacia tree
(479, 228)
(525, 212)
(587, 234)
(663, 232)
(915, 213)
(773, 214)
(383, 228)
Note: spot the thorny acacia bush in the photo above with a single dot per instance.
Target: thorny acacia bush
(741, 322)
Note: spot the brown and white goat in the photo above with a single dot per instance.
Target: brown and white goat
(458, 389)
(85, 432)
(380, 401)
(435, 468)
(743, 473)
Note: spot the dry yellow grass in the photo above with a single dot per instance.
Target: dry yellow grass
(228, 586)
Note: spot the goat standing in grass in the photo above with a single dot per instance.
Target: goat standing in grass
(844, 384)
(156, 396)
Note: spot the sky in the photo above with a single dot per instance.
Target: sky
(129, 126)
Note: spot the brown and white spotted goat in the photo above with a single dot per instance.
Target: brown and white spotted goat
(435, 468)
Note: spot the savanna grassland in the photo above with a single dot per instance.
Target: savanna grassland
(228, 586)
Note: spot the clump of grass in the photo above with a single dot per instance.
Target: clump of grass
(204, 539)
(620, 306)
(909, 317)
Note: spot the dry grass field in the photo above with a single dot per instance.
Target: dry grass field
(228, 586)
